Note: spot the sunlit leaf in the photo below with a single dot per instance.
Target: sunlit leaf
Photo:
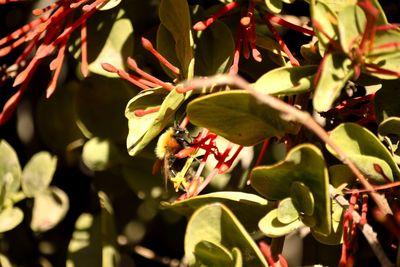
(10, 171)
(245, 120)
(38, 173)
(286, 211)
(10, 218)
(272, 227)
(100, 154)
(216, 224)
(366, 151)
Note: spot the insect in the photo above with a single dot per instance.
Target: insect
(177, 170)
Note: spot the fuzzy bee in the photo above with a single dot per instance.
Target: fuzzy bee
(178, 170)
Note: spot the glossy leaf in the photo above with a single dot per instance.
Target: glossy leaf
(214, 50)
(338, 5)
(246, 121)
(216, 224)
(175, 16)
(367, 152)
(389, 127)
(302, 198)
(336, 71)
(286, 80)
(10, 218)
(305, 164)
(38, 173)
(10, 171)
(143, 129)
(100, 105)
(49, 208)
(272, 227)
(248, 208)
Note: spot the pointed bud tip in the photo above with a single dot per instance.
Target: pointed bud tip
(132, 63)
(147, 44)
(108, 67)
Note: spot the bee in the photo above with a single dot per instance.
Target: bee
(178, 170)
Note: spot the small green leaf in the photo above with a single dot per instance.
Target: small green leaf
(336, 71)
(272, 227)
(100, 104)
(216, 224)
(248, 208)
(214, 50)
(38, 173)
(351, 25)
(10, 218)
(302, 198)
(286, 80)
(305, 164)
(341, 174)
(367, 152)
(49, 208)
(4, 261)
(275, 6)
(99, 154)
(143, 129)
(237, 257)
(287, 212)
(10, 171)
(237, 116)
(175, 16)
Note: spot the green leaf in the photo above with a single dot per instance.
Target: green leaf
(100, 105)
(38, 173)
(216, 224)
(4, 261)
(389, 127)
(237, 116)
(326, 18)
(175, 16)
(286, 80)
(305, 164)
(351, 25)
(275, 6)
(248, 208)
(214, 50)
(337, 5)
(341, 174)
(302, 198)
(109, 40)
(100, 154)
(336, 71)
(143, 129)
(366, 151)
(10, 218)
(166, 47)
(49, 208)
(238, 257)
(212, 254)
(272, 227)
(10, 171)
(286, 211)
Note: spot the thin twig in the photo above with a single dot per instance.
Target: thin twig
(291, 113)
(365, 228)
